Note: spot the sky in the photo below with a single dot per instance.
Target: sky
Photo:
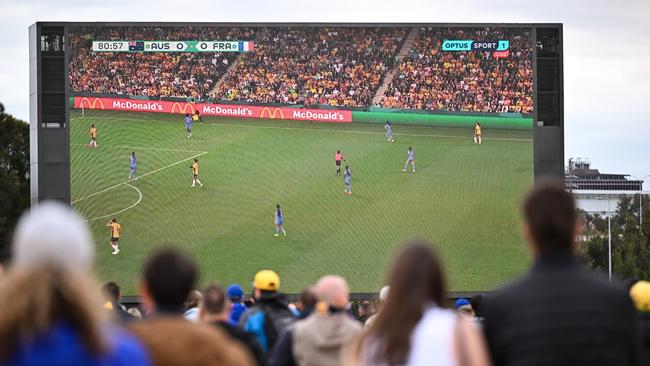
(606, 52)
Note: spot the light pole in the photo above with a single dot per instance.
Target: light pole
(609, 245)
(641, 199)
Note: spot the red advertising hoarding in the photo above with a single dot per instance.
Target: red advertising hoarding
(222, 110)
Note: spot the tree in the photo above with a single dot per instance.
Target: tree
(14, 174)
(630, 239)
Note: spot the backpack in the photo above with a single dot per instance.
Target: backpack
(277, 319)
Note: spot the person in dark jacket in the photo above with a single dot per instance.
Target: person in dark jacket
(559, 313)
(270, 315)
(214, 310)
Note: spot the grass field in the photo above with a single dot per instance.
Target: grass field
(464, 197)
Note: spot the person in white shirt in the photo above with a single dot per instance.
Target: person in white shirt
(415, 326)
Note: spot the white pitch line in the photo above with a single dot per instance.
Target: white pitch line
(141, 148)
(122, 210)
(326, 130)
(139, 177)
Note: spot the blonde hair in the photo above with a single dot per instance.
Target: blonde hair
(33, 300)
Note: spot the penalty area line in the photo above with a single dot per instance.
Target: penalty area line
(122, 210)
(140, 177)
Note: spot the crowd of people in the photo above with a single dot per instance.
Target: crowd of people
(151, 74)
(53, 313)
(334, 66)
(310, 66)
(472, 81)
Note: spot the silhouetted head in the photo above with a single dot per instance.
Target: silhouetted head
(551, 220)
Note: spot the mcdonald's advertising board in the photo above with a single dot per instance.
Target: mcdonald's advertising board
(221, 110)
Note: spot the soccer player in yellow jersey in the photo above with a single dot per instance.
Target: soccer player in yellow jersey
(93, 136)
(477, 134)
(116, 231)
(195, 173)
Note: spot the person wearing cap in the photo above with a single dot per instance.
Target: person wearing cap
(460, 303)
(464, 307)
(270, 315)
(235, 295)
(640, 294)
(51, 307)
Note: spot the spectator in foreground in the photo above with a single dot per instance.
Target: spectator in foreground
(364, 311)
(112, 294)
(236, 299)
(135, 313)
(318, 339)
(415, 327)
(478, 304)
(191, 306)
(214, 311)
(307, 303)
(270, 315)
(640, 293)
(559, 313)
(51, 308)
(464, 307)
(168, 277)
(383, 295)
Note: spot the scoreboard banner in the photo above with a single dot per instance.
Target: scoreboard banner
(172, 46)
(499, 49)
(207, 109)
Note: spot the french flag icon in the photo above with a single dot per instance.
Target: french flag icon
(245, 46)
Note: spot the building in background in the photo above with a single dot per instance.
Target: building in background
(597, 192)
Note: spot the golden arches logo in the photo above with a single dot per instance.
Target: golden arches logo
(183, 108)
(93, 104)
(271, 113)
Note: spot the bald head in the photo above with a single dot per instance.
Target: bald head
(332, 290)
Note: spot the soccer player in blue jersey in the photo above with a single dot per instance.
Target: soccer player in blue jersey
(133, 166)
(410, 159)
(188, 125)
(389, 131)
(279, 221)
(347, 177)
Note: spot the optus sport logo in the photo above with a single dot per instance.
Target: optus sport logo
(471, 45)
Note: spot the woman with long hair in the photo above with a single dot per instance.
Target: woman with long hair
(415, 326)
(51, 307)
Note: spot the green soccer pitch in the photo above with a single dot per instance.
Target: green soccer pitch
(464, 197)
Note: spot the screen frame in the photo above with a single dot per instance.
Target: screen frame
(548, 141)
